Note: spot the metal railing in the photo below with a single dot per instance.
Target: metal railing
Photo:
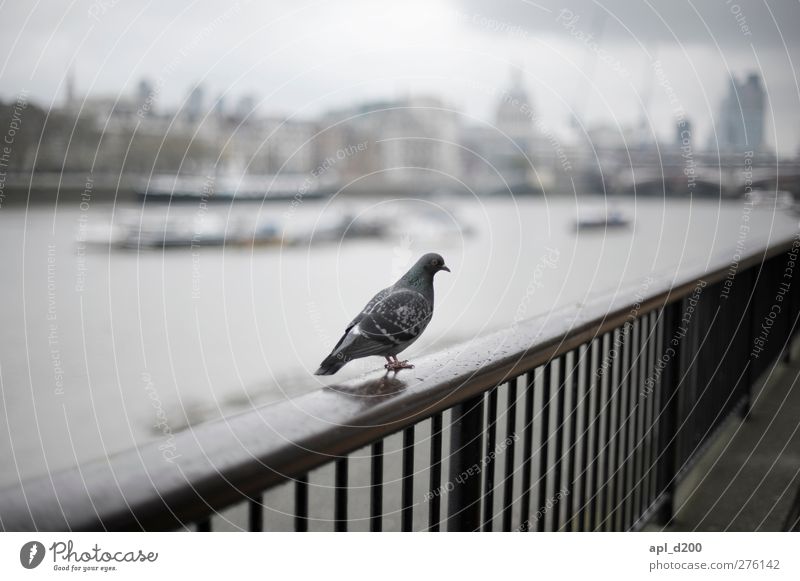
(584, 419)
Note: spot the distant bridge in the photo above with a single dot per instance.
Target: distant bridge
(704, 175)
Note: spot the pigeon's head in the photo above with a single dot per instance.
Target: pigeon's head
(432, 263)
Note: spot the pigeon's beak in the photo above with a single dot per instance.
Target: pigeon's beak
(445, 268)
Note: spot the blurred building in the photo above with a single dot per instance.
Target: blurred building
(414, 145)
(144, 96)
(741, 126)
(194, 109)
(517, 151)
(409, 144)
(514, 113)
(267, 145)
(683, 133)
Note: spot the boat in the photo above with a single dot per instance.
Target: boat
(136, 230)
(228, 187)
(611, 219)
(778, 199)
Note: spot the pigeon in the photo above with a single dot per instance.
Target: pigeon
(391, 321)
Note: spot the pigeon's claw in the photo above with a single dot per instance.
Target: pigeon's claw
(395, 365)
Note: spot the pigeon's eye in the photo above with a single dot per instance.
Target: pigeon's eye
(435, 262)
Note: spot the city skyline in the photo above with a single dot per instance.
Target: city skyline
(573, 62)
(414, 144)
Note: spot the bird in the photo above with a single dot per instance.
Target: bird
(391, 321)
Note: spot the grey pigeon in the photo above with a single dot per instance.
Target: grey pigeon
(391, 321)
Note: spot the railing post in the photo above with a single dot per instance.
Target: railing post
(790, 305)
(466, 445)
(792, 316)
(670, 378)
(749, 376)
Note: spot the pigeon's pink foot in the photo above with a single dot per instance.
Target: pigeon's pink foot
(394, 365)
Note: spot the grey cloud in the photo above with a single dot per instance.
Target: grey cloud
(729, 23)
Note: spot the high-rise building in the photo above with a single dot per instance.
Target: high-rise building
(145, 96)
(683, 133)
(741, 126)
(70, 89)
(195, 103)
(753, 99)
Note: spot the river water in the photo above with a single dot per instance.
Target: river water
(104, 349)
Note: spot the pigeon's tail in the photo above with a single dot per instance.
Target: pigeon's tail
(331, 365)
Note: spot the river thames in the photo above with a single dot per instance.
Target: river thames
(104, 349)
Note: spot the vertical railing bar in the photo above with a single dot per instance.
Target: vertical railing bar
(730, 376)
(633, 415)
(255, 513)
(715, 368)
(340, 499)
(618, 522)
(559, 436)
(301, 503)
(655, 448)
(645, 499)
(736, 325)
(572, 414)
(511, 437)
(488, 468)
(641, 427)
(668, 425)
(656, 399)
(791, 327)
(466, 439)
(614, 395)
(749, 314)
(434, 516)
(527, 453)
(683, 400)
(709, 362)
(595, 383)
(793, 322)
(407, 488)
(690, 420)
(544, 437)
(746, 308)
(719, 369)
(604, 386)
(725, 377)
(583, 461)
(701, 365)
(376, 488)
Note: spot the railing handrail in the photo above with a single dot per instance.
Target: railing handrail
(218, 463)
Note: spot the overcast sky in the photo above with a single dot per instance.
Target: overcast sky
(303, 57)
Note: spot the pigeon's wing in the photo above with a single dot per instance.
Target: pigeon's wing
(370, 306)
(399, 317)
(367, 308)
